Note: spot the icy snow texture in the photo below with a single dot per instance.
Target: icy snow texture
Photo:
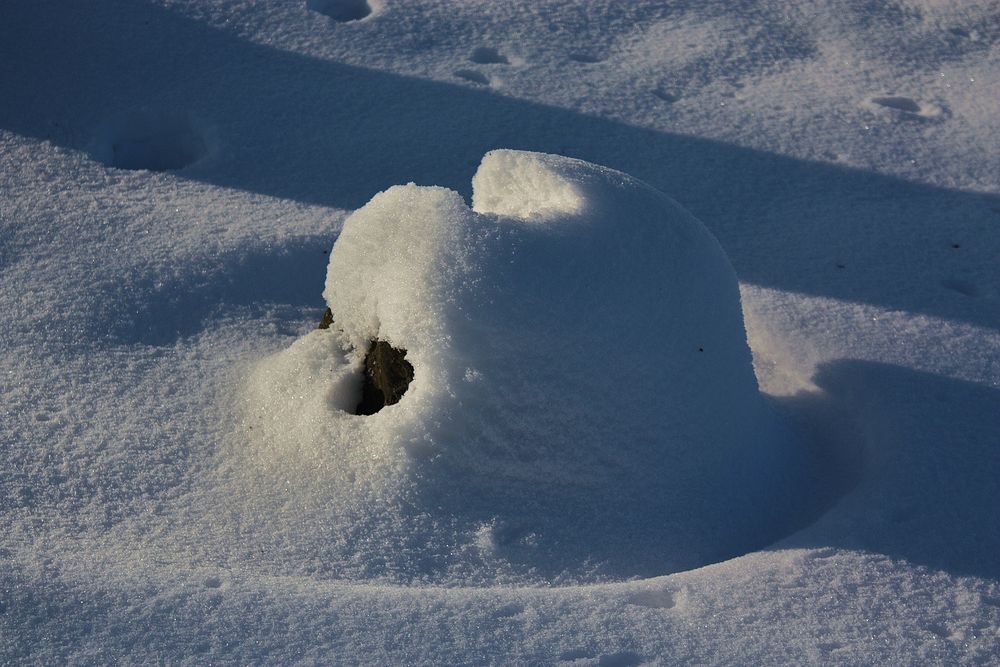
(134, 301)
(582, 384)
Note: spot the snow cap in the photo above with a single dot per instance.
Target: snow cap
(580, 369)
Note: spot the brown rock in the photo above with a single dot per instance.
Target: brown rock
(387, 376)
(327, 319)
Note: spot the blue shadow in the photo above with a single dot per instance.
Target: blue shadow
(326, 133)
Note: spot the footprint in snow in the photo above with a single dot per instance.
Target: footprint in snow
(942, 631)
(965, 35)
(622, 659)
(153, 140)
(963, 287)
(342, 11)
(586, 58)
(575, 654)
(905, 107)
(473, 76)
(898, 103)
(667, 95)
(509, 610)
(485, 55)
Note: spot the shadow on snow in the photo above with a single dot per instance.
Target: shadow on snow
(326, 133)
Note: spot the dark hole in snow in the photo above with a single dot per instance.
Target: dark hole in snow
(898, 103)
(666, 95)
(387, 376)
(485, 55)
(341, 11)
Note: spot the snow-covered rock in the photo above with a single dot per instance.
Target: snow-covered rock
(583, 401)
(173, 174)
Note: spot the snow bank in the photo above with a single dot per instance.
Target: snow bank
(583, 403)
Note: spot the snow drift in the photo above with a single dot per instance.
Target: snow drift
(583, 403)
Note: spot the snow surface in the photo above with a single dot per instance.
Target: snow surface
(583, 407)
(175, 173)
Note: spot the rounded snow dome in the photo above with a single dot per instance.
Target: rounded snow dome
(582, 407)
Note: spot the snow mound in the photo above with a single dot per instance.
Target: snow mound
(583, 403)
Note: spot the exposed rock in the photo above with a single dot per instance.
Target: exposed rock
(327, 319)
(387, 376)
(387, 373)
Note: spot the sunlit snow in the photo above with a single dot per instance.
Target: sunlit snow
(701, 302)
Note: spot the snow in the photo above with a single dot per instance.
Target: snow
(174, 174)
(149, 139)
(583, 406)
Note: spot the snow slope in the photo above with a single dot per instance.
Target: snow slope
(174, 175)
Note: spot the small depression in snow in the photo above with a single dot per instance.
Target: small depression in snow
(485, 55)
(342, 11)
(906, 107)
(155, 140)
(898, 103)
(473, 76)
(586, 57)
